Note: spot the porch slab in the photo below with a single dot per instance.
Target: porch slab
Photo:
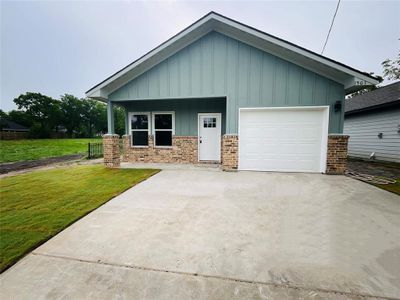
(171, 166)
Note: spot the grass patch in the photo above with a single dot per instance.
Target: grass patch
(19, 150)
(36, 206)
(394, 188)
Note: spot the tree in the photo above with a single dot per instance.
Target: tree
(3, 118)
(94, 117)
(71, 113)
(20, 117)
(44, 112)
(391, 68)
(119, 120)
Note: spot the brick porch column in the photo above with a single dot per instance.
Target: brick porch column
(229, 152)
(336, 163)
(111, 150)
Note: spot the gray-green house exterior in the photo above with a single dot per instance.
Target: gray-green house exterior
(214, 69)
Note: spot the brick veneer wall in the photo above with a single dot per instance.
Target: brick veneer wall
(337, 154)
(111, 150)
(183, 150)
(229, 152)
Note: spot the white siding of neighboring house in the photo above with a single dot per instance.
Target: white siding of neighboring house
(363, 130)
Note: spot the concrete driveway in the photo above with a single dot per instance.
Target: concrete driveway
(206, 234)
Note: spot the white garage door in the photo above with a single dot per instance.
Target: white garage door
(290, 139)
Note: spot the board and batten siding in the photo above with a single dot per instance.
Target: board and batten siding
(186, 111)
(363, 130)
(219, 66)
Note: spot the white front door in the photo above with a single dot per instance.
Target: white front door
(210, 137)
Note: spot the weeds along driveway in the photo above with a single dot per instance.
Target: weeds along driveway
(217, 235)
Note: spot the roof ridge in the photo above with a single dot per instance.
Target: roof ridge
(212, 15)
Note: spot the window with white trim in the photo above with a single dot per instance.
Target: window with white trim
(163, 128)
(140, 127)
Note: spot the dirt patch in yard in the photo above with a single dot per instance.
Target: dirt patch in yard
(383, 169)
(22, 165)
(380, 170)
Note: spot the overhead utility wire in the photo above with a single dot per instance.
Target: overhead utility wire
(330, 28)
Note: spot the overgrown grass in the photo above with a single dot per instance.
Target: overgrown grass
(19, 150)
(36, 206)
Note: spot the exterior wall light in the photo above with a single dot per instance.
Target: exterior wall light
(338, 106)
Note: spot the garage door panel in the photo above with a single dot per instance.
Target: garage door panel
(283, 148)
(302, 165)
(281, 140)
(284, 132)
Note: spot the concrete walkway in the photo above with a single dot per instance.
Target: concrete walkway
(190, 234)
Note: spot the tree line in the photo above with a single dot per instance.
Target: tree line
(70, 115)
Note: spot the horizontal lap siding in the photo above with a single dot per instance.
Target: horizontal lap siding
(364, 129)
(217, 65)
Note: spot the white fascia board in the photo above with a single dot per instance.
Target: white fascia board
(189, 35)
(296, 49)
(155, 51)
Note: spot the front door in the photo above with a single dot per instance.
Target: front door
(210, 137)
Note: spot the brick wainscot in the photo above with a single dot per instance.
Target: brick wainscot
(183, 150)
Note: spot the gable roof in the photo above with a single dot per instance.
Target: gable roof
(351, 78)
(384, 96)
(12, 126)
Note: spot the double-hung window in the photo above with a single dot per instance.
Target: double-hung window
(140, 126)
(163, 128)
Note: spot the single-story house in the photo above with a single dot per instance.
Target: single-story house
(10, 130)
(372, 120)
(221, 91)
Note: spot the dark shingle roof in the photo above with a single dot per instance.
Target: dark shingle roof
(382, 96)
(10, 125)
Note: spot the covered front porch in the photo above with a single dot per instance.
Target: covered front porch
(189, 130)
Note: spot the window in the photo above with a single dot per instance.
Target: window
(210, 122)
(139, 126)
(164, 126)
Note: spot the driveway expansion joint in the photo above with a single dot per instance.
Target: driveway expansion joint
(277, 285)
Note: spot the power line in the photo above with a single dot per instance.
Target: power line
(330, 28)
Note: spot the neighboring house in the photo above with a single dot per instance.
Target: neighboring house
(372, 120)
(12, 131)
(221, 91)
(11, 126)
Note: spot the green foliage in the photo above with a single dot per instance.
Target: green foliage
(20, 150)
(31, 214)
(42, 110)
(119, 120)
(3, 118)
(39, 131)
(78, 117)
(71, 113)
(391, 68)
(20, 117)
(94, 117)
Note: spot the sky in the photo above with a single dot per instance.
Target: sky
(59, 47)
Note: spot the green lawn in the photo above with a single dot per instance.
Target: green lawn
(19, 150)
(36, 206)
(394, 188)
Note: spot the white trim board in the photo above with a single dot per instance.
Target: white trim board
(350, 77)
